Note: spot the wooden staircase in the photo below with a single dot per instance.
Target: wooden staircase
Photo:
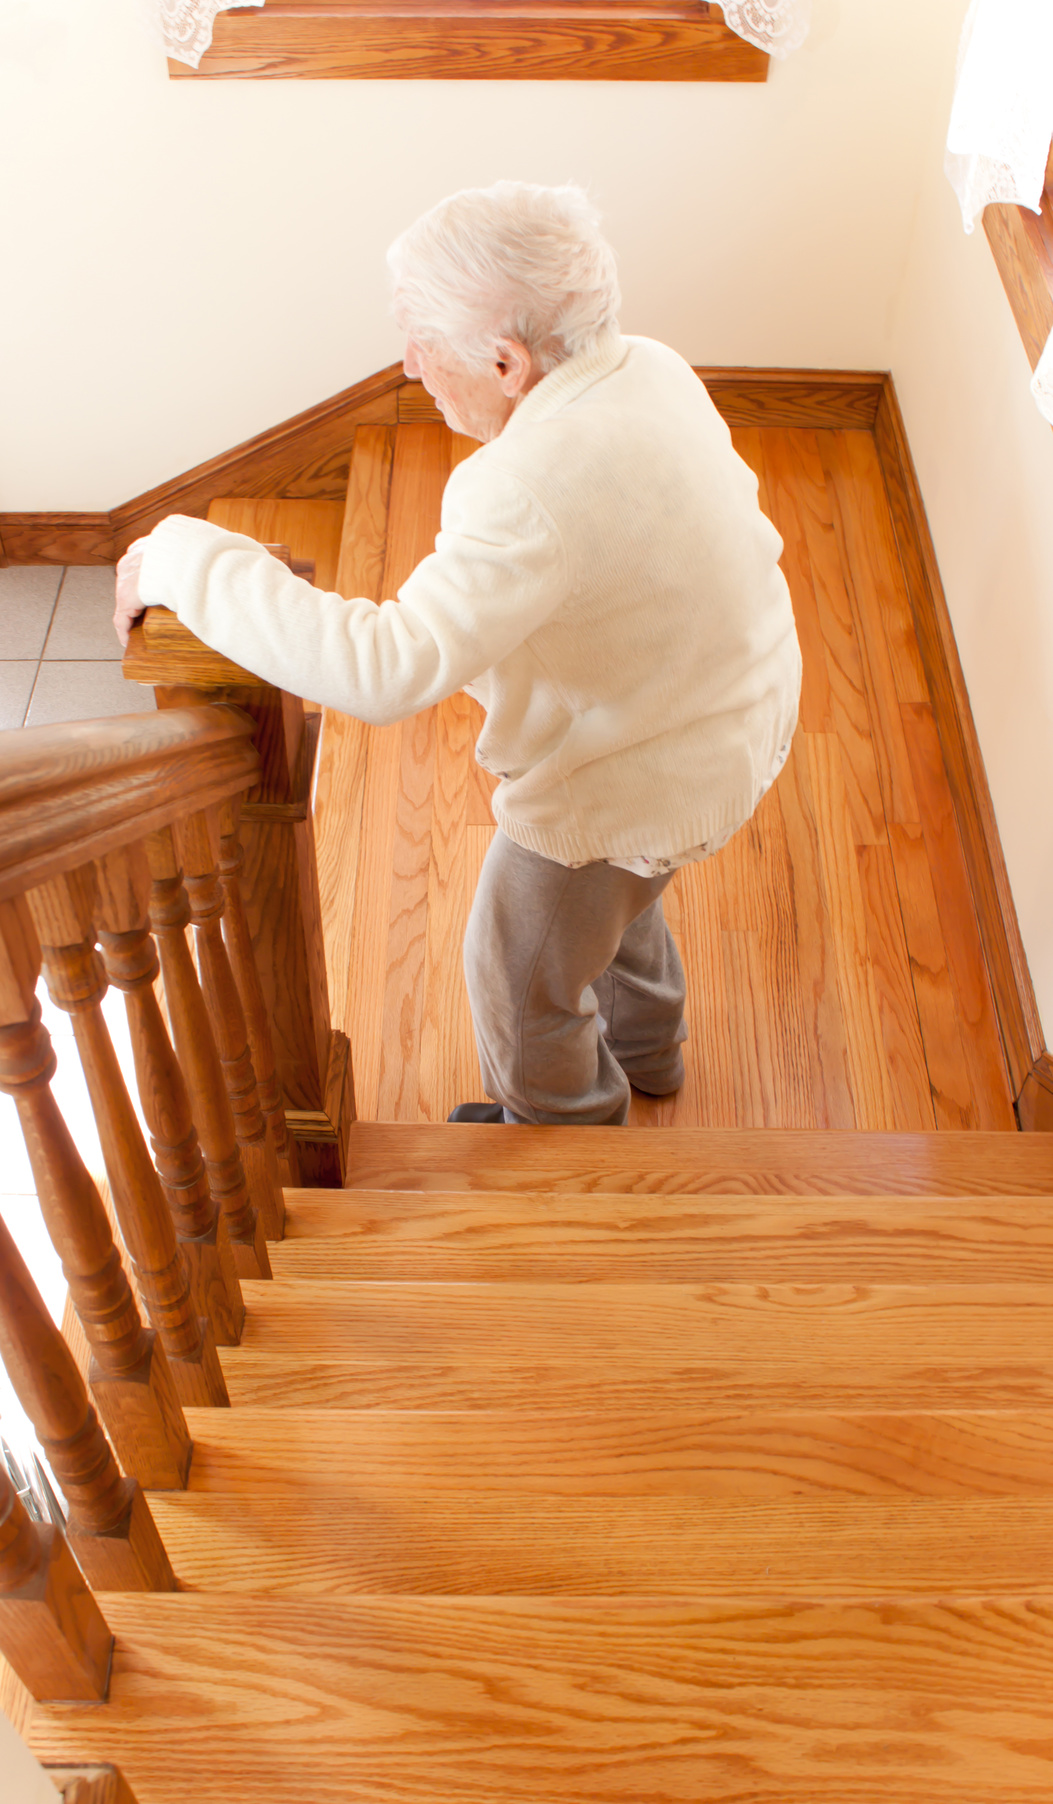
(713, 1463)
(595, 1464)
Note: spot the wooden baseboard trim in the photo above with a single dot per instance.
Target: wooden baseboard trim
(54, 538)
(307, 457)
(806, 398)
(1007, 966)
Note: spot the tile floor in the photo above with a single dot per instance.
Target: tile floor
(59, 656)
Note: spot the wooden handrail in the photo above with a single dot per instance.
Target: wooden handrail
(162, 650)
(1022, 246)
(70, 793)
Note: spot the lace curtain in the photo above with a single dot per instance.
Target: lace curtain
(778, 26)
(186, 25)
(1002, 121)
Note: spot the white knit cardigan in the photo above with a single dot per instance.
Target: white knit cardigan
(604, 582)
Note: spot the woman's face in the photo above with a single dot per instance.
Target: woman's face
(478, 403)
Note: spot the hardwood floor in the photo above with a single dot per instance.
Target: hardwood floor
(835, 976)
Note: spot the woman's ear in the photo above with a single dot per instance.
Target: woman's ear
(514, 367)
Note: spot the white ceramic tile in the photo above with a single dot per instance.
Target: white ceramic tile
(27, 597)
(84, 691)
(16, 687)
(82, 626)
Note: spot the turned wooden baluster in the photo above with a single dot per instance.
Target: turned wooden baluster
(196, 1049)
(51, 1629)
(200, 836)
(247, 977)
(63, 913)
(131, 965)
(110, 1529)
(129, 1377)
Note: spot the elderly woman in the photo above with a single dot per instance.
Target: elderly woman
(604, 583)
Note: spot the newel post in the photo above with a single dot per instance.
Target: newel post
(278, 875)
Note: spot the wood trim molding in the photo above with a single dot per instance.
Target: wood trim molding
(1007, 966)
(1035, 1105)
(461, 40)
(304, 458)
(1022, 246)
(807, 398)
(308, 457)
(56, 538)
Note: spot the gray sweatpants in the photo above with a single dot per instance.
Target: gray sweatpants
(576, 987)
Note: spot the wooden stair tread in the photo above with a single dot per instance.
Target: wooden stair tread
(750, 1453)
(417, 1345)
(534, 1235)
(394, 1538)
(330, 1503)
(480, 1700)
(772, 1162)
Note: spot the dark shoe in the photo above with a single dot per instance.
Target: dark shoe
(477, 1111)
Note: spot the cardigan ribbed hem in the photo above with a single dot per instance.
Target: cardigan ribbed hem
(585, 848)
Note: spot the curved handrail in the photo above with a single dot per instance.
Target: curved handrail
(72, 792)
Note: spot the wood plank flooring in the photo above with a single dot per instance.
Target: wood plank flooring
(835, 977)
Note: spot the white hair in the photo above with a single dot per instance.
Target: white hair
(515, 261)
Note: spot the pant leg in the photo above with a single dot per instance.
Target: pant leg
(641, 1001)
(538, 939)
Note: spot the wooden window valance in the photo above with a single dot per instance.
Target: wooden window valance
(477, 40)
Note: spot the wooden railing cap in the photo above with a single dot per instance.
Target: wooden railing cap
(162, 650)
(71, 792)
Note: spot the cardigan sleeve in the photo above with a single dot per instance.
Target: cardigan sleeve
(497, 572)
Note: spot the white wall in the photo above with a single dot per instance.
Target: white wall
(190, 263)
(985, 462)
